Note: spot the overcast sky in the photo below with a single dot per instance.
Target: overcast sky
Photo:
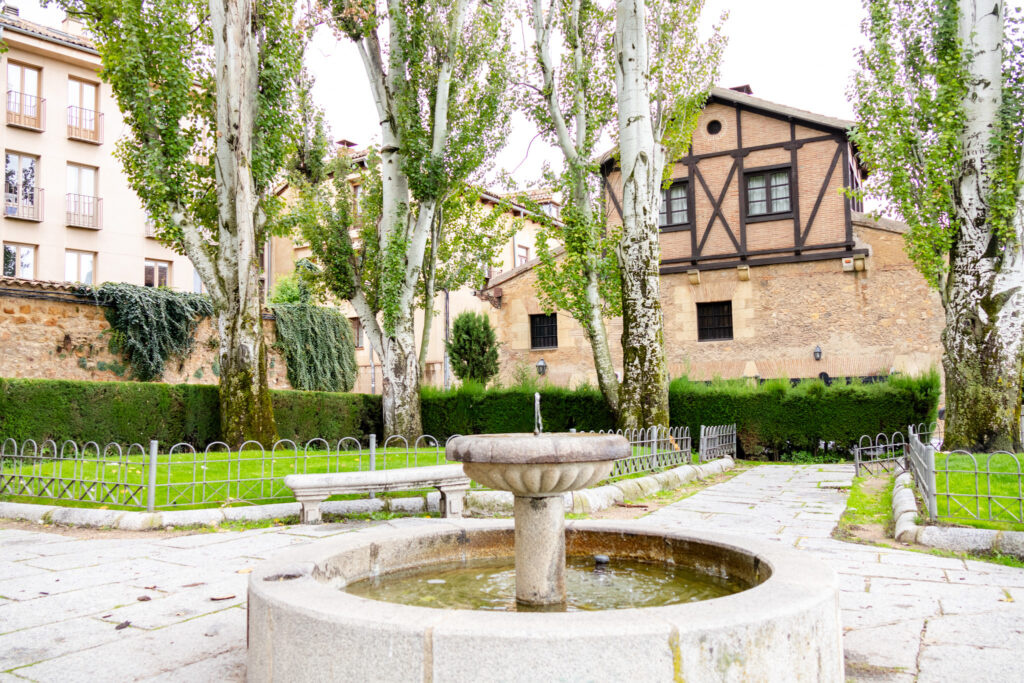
(795, 52)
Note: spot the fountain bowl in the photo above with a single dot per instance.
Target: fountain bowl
(302, 625)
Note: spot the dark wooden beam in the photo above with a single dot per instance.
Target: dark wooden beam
(802, 258)
(756, 252)
(794, 186)
(716, 206)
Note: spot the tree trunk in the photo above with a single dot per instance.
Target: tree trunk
(598, 334)
(401, 384)
(643, 395)
(246, 409)
(984, 292)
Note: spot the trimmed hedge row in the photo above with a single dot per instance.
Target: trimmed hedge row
(127, 412)
(774, 417)
(780, 418)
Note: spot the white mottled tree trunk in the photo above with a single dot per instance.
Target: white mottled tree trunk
(402, 227)
(984, 292)
(231, 272)
(643, 395)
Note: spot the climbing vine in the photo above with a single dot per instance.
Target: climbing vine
(150, 324)
(318, 346)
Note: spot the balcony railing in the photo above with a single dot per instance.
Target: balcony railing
(84, 211)
(85, 125)
(25, 111)
(26, 204)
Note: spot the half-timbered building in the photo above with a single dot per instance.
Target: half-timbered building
(769, 267)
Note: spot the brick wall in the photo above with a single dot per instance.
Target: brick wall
(46, 331)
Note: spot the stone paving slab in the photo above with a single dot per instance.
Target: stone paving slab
(890, 599)
(907, 616)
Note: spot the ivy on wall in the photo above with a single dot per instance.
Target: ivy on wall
(150, 324)
(318, 347)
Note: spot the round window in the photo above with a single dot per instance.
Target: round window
(714, 127)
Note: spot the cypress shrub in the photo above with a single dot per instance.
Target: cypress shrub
(473, 348)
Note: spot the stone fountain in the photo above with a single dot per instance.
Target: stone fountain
(538, 469)
(305, 623)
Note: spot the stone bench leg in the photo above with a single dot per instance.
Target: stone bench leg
(310, 512)
(453, 499)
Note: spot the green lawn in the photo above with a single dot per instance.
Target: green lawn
(188, 481)
(990, 498)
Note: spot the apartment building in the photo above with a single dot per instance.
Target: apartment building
(69, 213)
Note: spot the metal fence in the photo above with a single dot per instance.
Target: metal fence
(888, 452)
(959, 485)
(155, 476)
(717, 441)
(653, 449)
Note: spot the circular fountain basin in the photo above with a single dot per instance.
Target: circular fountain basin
(541, 465)
(304, 627)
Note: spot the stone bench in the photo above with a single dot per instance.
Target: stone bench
(312, 489)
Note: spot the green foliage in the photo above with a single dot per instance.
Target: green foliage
(909, 98)
(288, 290)
(473, 348)
(133, 412)
(318, 344)
(782, 419)
(150, 324)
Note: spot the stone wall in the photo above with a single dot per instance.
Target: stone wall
(47, 331)
(881, 319)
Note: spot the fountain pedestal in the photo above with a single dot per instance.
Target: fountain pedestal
(538, 469)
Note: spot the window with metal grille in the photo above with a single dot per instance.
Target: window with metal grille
(768, 193)
(714, 321)
(674, 213)
(543, 331)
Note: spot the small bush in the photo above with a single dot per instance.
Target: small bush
(473, 348)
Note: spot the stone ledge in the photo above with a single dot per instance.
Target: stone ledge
(956, 539)
(484, 503)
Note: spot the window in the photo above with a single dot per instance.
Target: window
(158, 273)
(357, 331)
(768, 193)
(79, 266)
(543, 331)
(20, 194)
(674, 213)
(522, 255)
(83, 206)
(19, 260)
(714, 127)
(83, 119)
(24, 108)
(197, 283)
(714, 321)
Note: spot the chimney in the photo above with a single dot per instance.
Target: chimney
(72, 26)
(745, 89)
(10, 9)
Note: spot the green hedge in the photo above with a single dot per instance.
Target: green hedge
(127, 412)
(779, 418)
(471, 410)
(773, 417)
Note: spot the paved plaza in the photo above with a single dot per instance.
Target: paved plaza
(161, 607)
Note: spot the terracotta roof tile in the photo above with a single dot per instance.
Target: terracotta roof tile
(20, 25)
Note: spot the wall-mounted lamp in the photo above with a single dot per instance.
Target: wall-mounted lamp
(542, 367)
(817, 353)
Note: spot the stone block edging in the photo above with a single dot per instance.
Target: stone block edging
(956, 539)
(480, 502)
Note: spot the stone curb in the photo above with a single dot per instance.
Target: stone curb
(957, 539)
(488, 503)
(485, 503)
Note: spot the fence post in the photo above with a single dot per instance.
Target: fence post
(373, 457)
(151, 488)
(929, 460)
